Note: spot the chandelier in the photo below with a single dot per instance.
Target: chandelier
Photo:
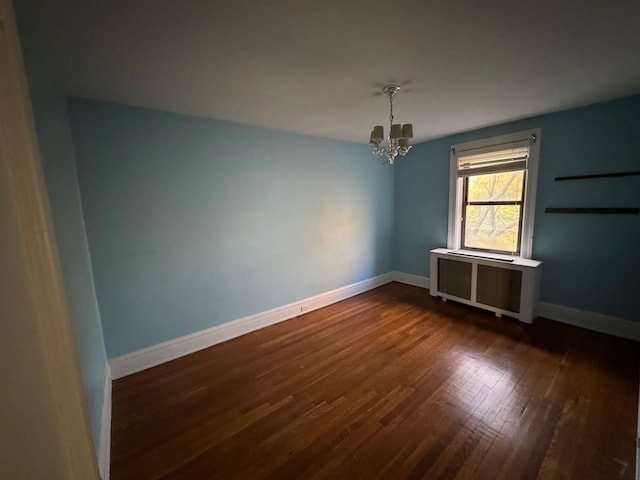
(399, 135)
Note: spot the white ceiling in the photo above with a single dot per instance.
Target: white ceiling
(317, 66)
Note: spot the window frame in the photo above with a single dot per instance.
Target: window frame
(457, 191)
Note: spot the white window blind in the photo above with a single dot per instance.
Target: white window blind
(498, 159)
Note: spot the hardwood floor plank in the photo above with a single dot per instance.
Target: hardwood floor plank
(388, 384)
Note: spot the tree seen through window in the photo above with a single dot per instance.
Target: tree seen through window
(492, 211)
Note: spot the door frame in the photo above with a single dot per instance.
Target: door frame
(34, 297)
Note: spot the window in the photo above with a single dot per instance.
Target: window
(493, 194)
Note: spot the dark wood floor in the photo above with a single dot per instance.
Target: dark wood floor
(389, 384)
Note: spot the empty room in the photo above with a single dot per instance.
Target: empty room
(320, 240)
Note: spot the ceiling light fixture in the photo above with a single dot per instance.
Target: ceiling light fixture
(399, 135)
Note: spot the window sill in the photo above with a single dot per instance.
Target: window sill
(474, 254)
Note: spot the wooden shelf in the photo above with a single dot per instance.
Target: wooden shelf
(599, 175)
(632, 211)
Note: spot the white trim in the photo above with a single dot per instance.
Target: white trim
(104, 449)
(32, 278)
(163, 352)
(529, 207)
(597, 322)
(455, 199)
(409, 279)
(455, 186)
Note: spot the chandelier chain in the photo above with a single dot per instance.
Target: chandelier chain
(390, 112)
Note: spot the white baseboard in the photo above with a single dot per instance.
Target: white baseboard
(163, 352)
(410, 279)
(104, 449)
(598, 322)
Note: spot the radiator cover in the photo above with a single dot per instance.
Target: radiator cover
(503, 285)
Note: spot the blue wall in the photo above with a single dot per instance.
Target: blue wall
(56, 152)
(195, 222)
(591, 262)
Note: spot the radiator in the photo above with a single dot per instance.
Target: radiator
(503, 285)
